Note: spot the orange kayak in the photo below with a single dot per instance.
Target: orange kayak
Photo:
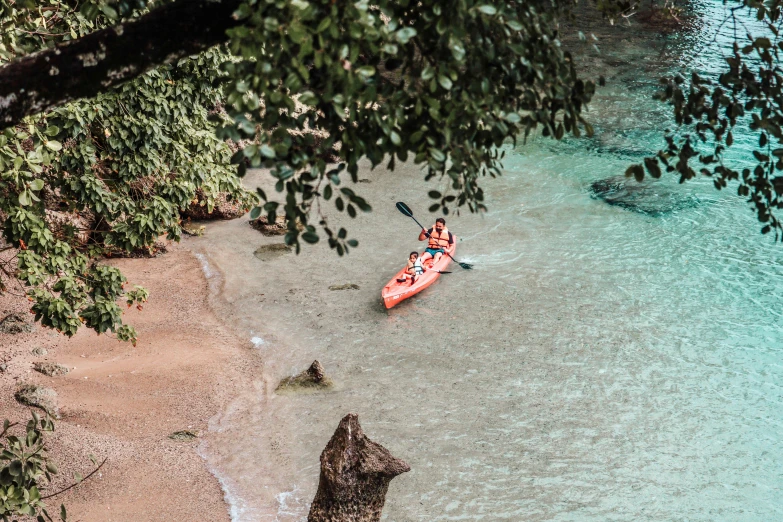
(394, 293)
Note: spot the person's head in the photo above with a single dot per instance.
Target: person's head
(440, 224)
(414, 256)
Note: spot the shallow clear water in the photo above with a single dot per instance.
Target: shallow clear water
(598, 364)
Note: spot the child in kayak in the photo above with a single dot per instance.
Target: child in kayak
(413, 269)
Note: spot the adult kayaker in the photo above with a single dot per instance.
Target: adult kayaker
(439, 239)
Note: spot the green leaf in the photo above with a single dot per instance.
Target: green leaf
(110, 12)
(24, 198)
(637, 171)
(310, 237)
(267, 151)
(54, 145)
(444, 82)
(487, 10)
(512, 117)
(405, 34)
(437, 155)
(52, 130)
(324, 25)
(255, 212)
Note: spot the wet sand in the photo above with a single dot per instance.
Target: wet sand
(122, 402)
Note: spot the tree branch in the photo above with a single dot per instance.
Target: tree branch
(96, 62)
(76, 483)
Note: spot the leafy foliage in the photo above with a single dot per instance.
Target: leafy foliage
(440, 83)
(104, 176)
(748, 94)
(24, 468)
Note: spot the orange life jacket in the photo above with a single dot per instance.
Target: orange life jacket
(439, 240)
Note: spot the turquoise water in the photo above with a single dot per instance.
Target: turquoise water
(600, 363)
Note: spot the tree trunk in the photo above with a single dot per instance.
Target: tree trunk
(96, 62)
(355, 475)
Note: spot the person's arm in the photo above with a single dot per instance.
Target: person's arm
(451, 239)
(424, 234)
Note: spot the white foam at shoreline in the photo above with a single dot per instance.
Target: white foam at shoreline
(208, 272)
(238, 509)
(290, 511)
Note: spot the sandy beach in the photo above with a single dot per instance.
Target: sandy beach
(121, 402)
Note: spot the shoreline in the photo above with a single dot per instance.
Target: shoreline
(122, 403)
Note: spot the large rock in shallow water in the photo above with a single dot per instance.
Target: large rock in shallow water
(355, 475)
(651, 197)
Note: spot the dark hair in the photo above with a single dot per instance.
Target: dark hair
(414, 252)
(440, 220)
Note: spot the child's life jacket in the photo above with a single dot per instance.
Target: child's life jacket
(414, 268)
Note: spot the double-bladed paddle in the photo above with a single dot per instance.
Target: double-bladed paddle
(405, 209)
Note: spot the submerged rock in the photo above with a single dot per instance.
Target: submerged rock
(50, 369)
(270, 252)
(652, 197)
(15, 324)
(347, 286)
(193, 229)
(355, 476)
(185, 435)
(38, 397)
(39, 351)
(312, 379)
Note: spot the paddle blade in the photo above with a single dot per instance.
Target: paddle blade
(443, 272)
(402, 207)
(466, 266)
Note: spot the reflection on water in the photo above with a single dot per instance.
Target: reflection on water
(598, 364)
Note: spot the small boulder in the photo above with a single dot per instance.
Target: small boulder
(70, 225)
(38, 397)
(15, 324)
(185, 435)
(222, 209)
(347, 286)
(39, 351)
(270, 252)
(50, 369)
(278, 228)
(312, 379)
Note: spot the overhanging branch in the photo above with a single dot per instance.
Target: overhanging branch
(101, 60)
